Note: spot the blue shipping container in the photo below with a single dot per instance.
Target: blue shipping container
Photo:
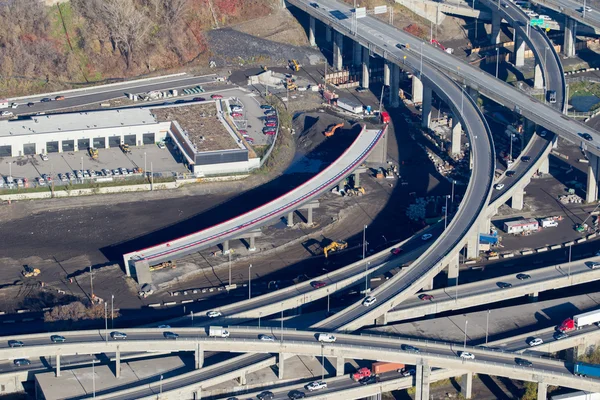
(587, 369)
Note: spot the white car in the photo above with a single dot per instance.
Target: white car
(466, 355)
(369, 300)
(7, 113)
(499, 186)
(214, 314)
(326, 337)
(161, 145)
(266, 338)
(586, 9)
(535, 342)
(41, 181)
(44, 157)
(545, 17)
(426, 236)
(316, 386)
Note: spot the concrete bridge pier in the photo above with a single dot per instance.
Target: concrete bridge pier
(533, 297)
(570, 37)
(456, 134)
(517, 199)
(243, 380)
(57, 365)
(118, 363)
(519, 53)
(453, 271)
(394, 86)
(252, 244)
(338, 49)
(466, 385)
(417, 90)
(280, 362)
(386, 73)
(542, 391)
(538, 77)
(428, 285)
(496, 28)
(311, 32)
(365, 68)
(545, 166)
(356, 53)
(328, 33)
(473, 244)
(591, 194)
(422, 380)
(575, 352)
(225, 247)
(340, 363)
(290, 219)
(198, 356)
(426, 107)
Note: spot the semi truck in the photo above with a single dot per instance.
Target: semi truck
(584, 369)
(579, 321)
(376, 369)
(218, 331)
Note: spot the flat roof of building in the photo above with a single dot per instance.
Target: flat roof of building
(77, 121)
(200, 122)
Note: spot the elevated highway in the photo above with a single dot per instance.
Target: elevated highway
(140, 260)
(574, 10)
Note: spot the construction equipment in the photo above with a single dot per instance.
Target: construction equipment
(331, 130)
(125, 148)
(334, 246)
(29, 272)
(290, 84)
(294, 65)
(166, 264)
(381, 173)
(357, 191)
(93, 152)
(581, 228)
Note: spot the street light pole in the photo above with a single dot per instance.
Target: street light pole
(466, 325)
(112, 315)
(322, 364)
(106, 321)
(249, 282)
(93, 377)
(91, 283)
(446, 214)
(367, 277)
(229, 269)
(281, 336)
(497, 60)
(160, 385)
(259, 315)
(487, 325)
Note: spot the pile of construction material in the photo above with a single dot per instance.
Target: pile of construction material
(570, 199)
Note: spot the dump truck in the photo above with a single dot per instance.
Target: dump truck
(29, 272)
(218, 331)
(584, 369)
(331, 129)
(334, 246)
(579, 321)
(93, 152)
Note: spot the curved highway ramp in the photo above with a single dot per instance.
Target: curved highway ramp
(357, 153)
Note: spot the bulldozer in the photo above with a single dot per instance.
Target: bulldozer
(334, 246)
(29, 272)
(331, 130)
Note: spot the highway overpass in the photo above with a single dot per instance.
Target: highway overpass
(138, 262)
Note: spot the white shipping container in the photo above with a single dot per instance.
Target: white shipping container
(580, 395)
(587, 318)
(350, 106)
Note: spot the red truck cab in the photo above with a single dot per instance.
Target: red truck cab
(361, 373)
(385, 117)
(567, 325)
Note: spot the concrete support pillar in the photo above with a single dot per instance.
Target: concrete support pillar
(311, 32)
(290, 219)
(243, 378)
(570, 36)
(485, 225)
(382, 320)
(496, 27)
(365, 68)
(591, 194)
(517, 199)
(533, 297)
(456, 134)
(338, 48)
(356, 53)
(356, 179)
(58, 365)
(328, 33)
(394, 86)
(545, 167)
(198, 357)
(310, 216)
(226, 247)
(466, 385)
(280, 362)
(453, 271)
(542, 392)
(386, 73)
(417, 90)
(473, 245)
(426, 107)
(118, 363)
(428, 285)
(340, 363)
(538, 77)
(252, 244)
(519, 56)
(422, 381)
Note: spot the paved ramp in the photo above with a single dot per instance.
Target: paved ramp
(329, 177)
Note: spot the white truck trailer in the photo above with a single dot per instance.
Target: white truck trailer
(218, 331)
(580, 395)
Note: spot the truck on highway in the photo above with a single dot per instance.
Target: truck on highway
(376, 369)
(584, 369)
(579, 395)
(579, 321)
(218, 331)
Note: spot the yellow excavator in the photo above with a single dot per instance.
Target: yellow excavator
(29, 272)
(331, 130)
(357, 191)
(93, 153)
(163, 265)
(334, 246)
(294, 65)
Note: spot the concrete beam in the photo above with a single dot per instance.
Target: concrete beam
(496, 28)
(542, 391)
(519, 53)
(417, 90)
(340, 363)
(365, 68)
(280, 365)
(456, 135)
(591, 194)
(453, 271)
(545, 166)
(311, 32)
(118, 363)
(57, 365)
(466, 385)
(570, 37)
(394, 86)
(356, 53)
(386, 73)
(426, 107)
(538, 77)
(517, 199)
(338, 49)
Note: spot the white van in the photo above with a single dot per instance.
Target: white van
(326, 338)
(545, 17)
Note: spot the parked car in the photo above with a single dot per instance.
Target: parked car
(161, 145)
(63, 177)
(180, 101)
(7, 113)
(164, 326)
(41, 181)
(237, 114)
(269, 132)
(266, 107)
(198, 99)
(326, 338)
(271, 124)
(499, 186)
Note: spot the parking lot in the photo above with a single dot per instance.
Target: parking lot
(252, 119)
(162, 162)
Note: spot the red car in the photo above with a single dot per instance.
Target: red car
(216, 96)
(250, 140)
(396, 251)
(236, 114)
(425, 297)
(269, 132)
(271, 124)
(318, 284)
(243, 132)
